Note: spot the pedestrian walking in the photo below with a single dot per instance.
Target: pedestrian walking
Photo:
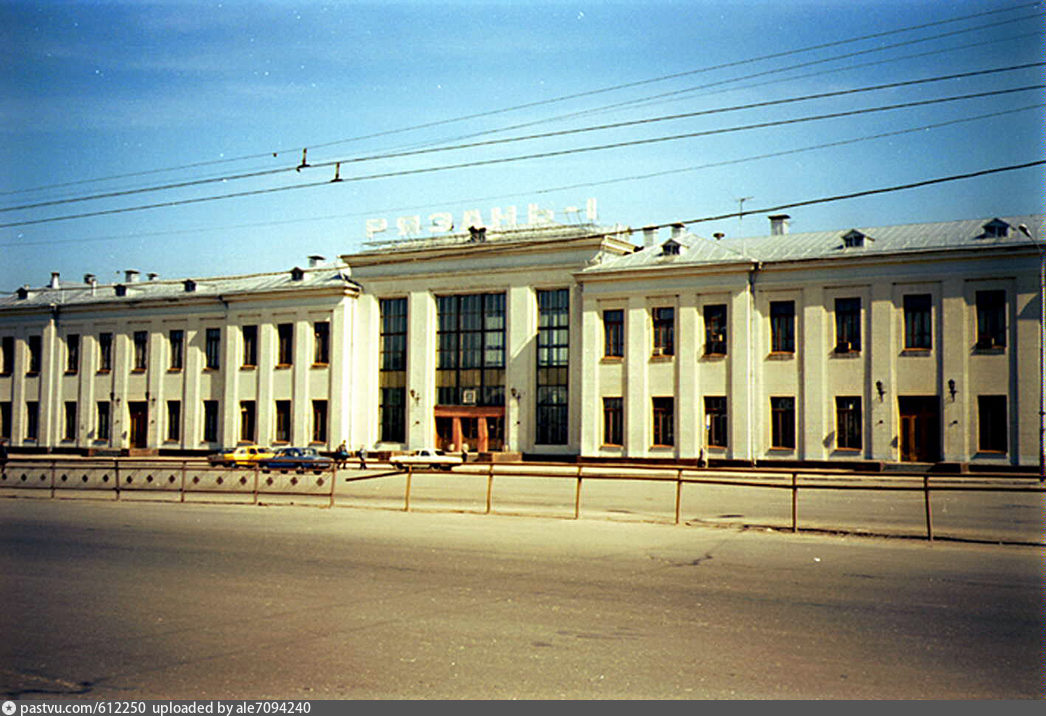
(341, 455)
(362, 455)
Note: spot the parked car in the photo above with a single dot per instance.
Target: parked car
(242, 456)
(426, 457)
(299, 459)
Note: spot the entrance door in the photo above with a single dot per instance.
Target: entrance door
(139, 424)
(920, 428)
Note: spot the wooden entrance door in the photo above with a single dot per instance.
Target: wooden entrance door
(139, 424)
(920, 428)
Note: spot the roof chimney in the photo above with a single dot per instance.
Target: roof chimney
(718, 235)
(153, 276)
(315, 261)
(131, 276)
(54, 279)
(678, 230)
(649, 236)
(779, 224)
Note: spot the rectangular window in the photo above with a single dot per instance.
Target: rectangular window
(176, 345)
(991, 319)
(782, 423)
(715, 329)
(250, 346)
(174, 420)
(72, 353)
(32, 420)
(248, 421)
(716, 421)
(103, 421)
(614, 334)
(918, 322)
(613, 422)
(848, 423)
(213, 348)
(7, 355)
(664, 434)
(392, 415)
(70, 421)
(283, 421)
(5, 419)
(319, 421)
(285, 344)
(321, 343)
(992, 423)
(782, 326)
(141, 350)
(553, 359)
(847, 325)
(210, 421)
(470, 353)
(664, 331)
(105, 352)
(35, 353)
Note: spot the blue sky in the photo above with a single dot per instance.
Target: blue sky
(138, 95)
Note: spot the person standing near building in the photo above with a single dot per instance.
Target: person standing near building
(362, 455)
(341, 455)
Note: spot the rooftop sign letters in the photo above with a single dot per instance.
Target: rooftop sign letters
(442, 222)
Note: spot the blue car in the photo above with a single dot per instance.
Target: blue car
(298, 459)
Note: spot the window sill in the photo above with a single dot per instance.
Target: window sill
(103, 371)
(612, 359)
(320, 365)
(284, 366)
(138, 370)
(856, 353)
(662, 358)
(612, 446)
(848, 451)
(989, 350)
(781, 449)
(71, 372)
(781, 355)
(714, 356)
(32, 374)
(174, 370)
(248, 367)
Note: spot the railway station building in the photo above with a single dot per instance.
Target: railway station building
(895, 344)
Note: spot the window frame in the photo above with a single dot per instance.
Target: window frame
(72, 354)
(176, 346)
(991, 319)
(284, 345)
(918, 310)
(613, 421)
(716, 334)
(321, 343)
(663, 325)
(993, 424)
(662, 421)
(213, 348)
(249, 347)
(174, 421)
(717, 421)
(140, 341)
(782, 327)
(614, 333)
(848, 324)
(849, 423)
(782, 423)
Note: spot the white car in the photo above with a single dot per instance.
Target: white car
(426, 457)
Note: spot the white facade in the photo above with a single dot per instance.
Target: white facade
(914, 343)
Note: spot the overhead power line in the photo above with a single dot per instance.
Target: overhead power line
(554, 100)
(546, 190)
(531, 137)
(504, 160)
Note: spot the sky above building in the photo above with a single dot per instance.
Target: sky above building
(169, 136)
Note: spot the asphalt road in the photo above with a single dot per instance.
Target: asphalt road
(104, 600)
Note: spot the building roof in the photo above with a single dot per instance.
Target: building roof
(846, 243)
(84, 293)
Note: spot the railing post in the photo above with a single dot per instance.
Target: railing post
(926, 501)
(116, 472)
(679, 491)
(257, 471)
(54, 468)
(406, 492)
(181, 488)
(795, 503)
(577, 495)
(334, 481)
(490, 485)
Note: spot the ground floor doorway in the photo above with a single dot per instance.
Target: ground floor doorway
(476, 429)
(920, 425)
(139, 413)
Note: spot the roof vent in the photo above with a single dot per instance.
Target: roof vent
(23, 292)
(54, 279)
(120, 289)
(131, 276)
(315, 261)
(996, 229)
(297, 274)
(779, 224)
(678, 230)
(152, 276)
(718, 235)
(853, 239)
(90, 279)
(671, 248)
(189, 285)
(477, 234)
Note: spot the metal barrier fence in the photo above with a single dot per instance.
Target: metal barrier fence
(187, 478)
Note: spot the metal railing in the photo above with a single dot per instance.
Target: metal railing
(128, 476)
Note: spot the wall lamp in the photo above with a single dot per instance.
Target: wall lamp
(951, 388)
(880, 389)
(414, 395)
(515, 393)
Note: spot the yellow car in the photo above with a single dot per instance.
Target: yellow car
(242, 456)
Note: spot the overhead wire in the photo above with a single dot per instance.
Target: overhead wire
(543, 135)
(546, 190)
(563, 98)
